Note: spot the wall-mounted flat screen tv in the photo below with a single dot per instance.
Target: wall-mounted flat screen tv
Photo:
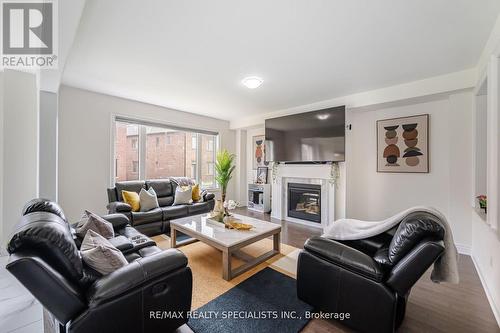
(310, 137)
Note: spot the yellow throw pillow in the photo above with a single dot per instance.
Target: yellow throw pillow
(196, 195)
(132, 198)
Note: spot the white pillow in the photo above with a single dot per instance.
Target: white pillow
(148, 199)
(91, 221)
(100, 254)
(183, 195)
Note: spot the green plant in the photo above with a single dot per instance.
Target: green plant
(224, 170)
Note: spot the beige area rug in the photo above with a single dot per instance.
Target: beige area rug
(206, 264)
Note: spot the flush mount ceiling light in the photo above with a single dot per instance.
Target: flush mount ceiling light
(323, 116)
(252, 82)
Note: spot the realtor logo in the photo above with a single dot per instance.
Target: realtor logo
(29, 36)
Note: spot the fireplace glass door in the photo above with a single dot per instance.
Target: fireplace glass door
(304, 201)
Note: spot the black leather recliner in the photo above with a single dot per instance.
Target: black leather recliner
(44, 257)
(370, 278)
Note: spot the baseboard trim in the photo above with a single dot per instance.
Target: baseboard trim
(464, 249)
(493, 306)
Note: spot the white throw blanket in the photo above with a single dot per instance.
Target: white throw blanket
(445, 268)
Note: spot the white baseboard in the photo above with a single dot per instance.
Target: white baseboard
(493, 306)
(464, 249)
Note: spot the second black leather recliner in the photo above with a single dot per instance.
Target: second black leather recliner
(369, 278)
(45, 258)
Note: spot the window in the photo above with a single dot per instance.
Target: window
(126, 151)
(210, 145)
(148, 158)
(210, 169)
(193, 142)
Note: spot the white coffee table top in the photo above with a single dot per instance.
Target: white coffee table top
(203, 226)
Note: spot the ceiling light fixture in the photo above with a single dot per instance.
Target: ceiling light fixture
(323, 116)
(252, 82)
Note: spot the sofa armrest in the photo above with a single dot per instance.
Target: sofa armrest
(344, 257)
(207, 196)
(118, 207)
(117, 220)
(135, 274)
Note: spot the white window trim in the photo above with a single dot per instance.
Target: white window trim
(142, 143)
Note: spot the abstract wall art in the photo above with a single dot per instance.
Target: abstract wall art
(403, 144)
(259, 151)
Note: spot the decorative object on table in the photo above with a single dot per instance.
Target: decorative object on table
(483, 202)
(403, 144)
(259, 151)
(261, 175)
(224, 167)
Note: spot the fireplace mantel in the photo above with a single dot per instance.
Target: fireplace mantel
(305, 174)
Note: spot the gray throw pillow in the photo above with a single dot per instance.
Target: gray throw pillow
(100, 254)
(91, 221)
(183, 195)
(148, 199)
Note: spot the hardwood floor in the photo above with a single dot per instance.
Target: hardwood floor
(431, 307)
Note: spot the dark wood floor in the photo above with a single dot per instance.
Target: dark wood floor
(431, 307)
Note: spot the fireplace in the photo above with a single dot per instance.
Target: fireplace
(304, 201)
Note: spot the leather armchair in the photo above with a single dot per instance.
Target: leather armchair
(371, 278)
(45, 259)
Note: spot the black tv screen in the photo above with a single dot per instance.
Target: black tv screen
(317, 136)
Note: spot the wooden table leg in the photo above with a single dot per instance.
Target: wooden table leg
(173, 237)
(276, 242)
(226, 265)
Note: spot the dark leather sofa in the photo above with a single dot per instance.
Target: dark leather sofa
(156, 221)
(45, 258)
(369, 278)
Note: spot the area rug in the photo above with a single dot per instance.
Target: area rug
(206, 265)
(265, 302)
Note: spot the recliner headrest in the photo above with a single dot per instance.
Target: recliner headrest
(43, 205)
(48, 235)
(412, 230)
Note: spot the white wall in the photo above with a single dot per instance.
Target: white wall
(1, 163)
(48, 145)
(85, 141)
(20, 145)
(373, 196)
(486, 256)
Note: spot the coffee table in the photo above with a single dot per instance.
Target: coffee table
(229, 241)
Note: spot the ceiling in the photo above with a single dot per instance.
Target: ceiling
(191, 55)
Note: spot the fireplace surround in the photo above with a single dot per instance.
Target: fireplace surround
(304, 201)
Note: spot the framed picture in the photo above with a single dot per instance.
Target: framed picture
(261, 175)
(403, 144)
(259, 151)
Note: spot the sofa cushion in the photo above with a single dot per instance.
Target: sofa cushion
(132, 198)
(148, 200)
(153, 215)
(122, 243)
(132, 186)
(166, 201)
(174, 212)
(91, 221)
(183, 195)
(198, 208)
(162, 187)
(100, 254)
